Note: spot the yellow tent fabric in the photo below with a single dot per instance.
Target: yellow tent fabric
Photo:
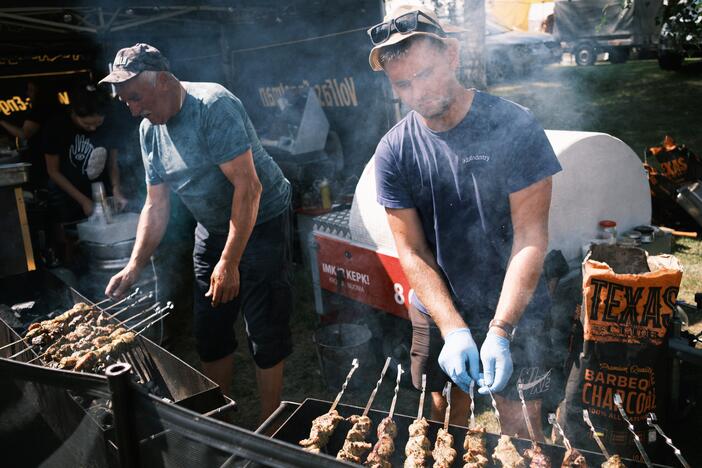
(511, 13)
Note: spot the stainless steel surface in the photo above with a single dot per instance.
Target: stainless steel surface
(97, 251)
(14, 174)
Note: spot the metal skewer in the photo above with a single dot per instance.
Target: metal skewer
(98, 304)
(637, 440)
(447, 394)
(18, 353)
(651, 421)
(554, 422)
(145, 311)
(421, 397)
(525, 413)
(377, 386)
(134, 304)
(169, 305)
(397, 389)
(595, 435)
(471, 392)
(497, 412)
(354, 366)
(121, 301)
(152, 323)
(11, 344)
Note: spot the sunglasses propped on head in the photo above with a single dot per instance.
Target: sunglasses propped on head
(404, 24)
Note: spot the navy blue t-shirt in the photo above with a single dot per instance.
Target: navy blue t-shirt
(459, 181)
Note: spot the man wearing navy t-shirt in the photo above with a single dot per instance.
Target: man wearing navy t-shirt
(465, 179)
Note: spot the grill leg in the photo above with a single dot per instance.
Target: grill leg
(128, 446)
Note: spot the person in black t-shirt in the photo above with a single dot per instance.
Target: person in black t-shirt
(78, 152)
(43, 106)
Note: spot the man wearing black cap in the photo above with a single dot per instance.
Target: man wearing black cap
(197, 140)
(465, 179)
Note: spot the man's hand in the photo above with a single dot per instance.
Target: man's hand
(119, 200)
(224, 283)
(458, 349)
(87, 206)
(497, 363)
(122, 281)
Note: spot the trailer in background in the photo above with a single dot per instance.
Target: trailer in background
(587, 28)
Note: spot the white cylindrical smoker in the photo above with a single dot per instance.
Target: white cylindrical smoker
(602, 178)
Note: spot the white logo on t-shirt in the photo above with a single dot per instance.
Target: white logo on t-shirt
(475, 157)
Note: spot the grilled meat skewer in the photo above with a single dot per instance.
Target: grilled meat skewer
(476, 450)
(355, 444)
(615, 461)
(325, 425)
(322, 428)
(444, 453)
(418, 448)
(387, 431)
(52, 328)
(506, 455)
(537, 458)
(573, 459)
(385, 447)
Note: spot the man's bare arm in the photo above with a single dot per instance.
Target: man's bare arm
(152, 226)
(529, 209)
(241, 172)
(421, 269)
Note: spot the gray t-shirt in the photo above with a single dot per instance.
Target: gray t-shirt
(211, 128)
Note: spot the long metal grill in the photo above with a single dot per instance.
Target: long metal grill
(136, 313)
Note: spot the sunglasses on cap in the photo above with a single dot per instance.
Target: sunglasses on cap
(404, 24)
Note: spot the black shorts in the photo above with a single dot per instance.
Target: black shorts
(265, 295)
(530, 355)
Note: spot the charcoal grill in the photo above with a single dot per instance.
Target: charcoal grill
(75, 418)
(297, 427)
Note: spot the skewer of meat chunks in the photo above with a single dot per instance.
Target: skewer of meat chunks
(355, 445)
(444, 454)
(637, 440)
(613, 461)
(91, 329)
(87, 358)
(49, 330)
(505, 454)
(537, 458)
(325, 425)
(474, 444)
(651, 421)
(572, 458)
(418, 448)
(387, 431)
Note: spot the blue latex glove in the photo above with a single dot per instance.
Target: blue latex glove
(459, 349)
(497, 363)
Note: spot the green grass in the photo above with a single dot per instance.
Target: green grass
(635, 102)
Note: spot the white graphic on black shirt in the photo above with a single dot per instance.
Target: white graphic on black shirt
(87, 158)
